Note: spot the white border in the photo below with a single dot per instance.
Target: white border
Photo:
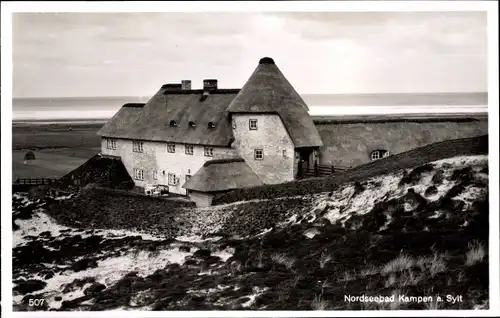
(6, 138)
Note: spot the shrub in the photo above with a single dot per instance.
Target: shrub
(475, 254)
(409, 278)
(370, 271)
(398, 264)
(325, 258)
(437, 265)
(319, 304)
(280, 258)
(347, 277)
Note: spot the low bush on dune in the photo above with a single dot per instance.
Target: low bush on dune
(102, 208)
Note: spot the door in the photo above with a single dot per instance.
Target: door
(305, 158)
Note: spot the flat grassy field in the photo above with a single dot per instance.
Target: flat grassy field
(58, 150)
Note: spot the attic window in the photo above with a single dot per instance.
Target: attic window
(377, 154)
(209, 152)
(173, 123)
(211, 125)
(192, 124)
(252, 123)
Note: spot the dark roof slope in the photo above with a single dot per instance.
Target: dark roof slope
(268, 91)
(152, 121)
(100, 170)
(223, 175)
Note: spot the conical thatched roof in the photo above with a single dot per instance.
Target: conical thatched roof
(30, 155)
(223, 175)
(268, 91)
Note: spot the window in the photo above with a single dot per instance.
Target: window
(284, 153)
(171, 147)
(172, 179)
(173, 123)
(192, 124)
(155, 175)
(209, 152)
(189, 149)
(138, 146)
(211, 125)
(252, 124)
(110, 143)
(138, 174)
(377, 154)
(258, 154)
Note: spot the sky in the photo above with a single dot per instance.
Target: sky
(133, 54)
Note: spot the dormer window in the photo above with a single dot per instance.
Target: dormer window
(173, 123)
(377, 154)
(211, 125)
(170, 147)
(192, 124)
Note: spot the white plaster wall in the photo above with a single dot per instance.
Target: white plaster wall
(156, 157)
(200, 198)
(272, 137)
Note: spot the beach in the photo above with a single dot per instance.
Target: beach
(57, 148)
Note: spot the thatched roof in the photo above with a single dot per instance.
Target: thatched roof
(100, 170)
(268, 91)
(223, 175)
(30, 155)
(153, 120)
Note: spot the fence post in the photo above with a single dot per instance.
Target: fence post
(316, 171)
(333, 169)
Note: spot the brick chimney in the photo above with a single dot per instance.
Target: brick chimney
(186, 85)
(209, 84)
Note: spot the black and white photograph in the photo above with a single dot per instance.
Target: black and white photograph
(239, 161)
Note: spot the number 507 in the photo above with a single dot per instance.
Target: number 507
(36, 302)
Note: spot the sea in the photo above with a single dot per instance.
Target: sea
(100, 109)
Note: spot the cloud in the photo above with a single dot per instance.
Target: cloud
(81, 53)
(429, 30)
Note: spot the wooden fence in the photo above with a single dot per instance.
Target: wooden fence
(319, 171)
(34, 181)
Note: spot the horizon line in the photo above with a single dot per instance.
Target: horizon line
(302, 94)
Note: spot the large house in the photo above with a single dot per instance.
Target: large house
(204, 141)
